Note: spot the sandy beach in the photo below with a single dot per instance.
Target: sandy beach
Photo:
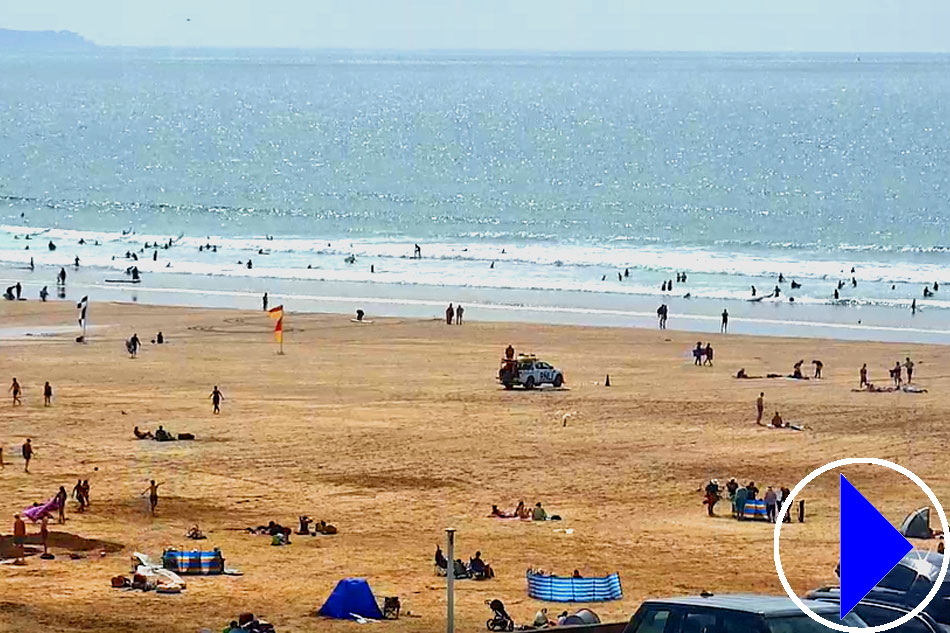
(395, 430)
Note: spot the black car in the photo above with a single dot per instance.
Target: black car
(737, 613)
(875, 613)
(907, 585)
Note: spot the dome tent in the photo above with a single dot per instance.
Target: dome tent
(351, 597)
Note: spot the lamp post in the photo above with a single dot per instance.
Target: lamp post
(450, 580)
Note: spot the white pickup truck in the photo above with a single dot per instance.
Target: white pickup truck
(528, 372)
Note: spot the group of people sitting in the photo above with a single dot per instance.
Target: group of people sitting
(702, 355)
(477, 569)
(537, 513)
(161, 435)
(319, 527)
(247, 623)
(739, 496)
(279, 534)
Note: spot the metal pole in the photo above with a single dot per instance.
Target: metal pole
(450, 580)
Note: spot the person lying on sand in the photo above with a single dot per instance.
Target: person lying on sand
(869, 387)
(142, 435)
(495, 512)
(322, 527)
(744, 376)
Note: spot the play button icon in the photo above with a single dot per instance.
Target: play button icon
(870, 546)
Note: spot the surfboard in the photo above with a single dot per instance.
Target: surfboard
(363, 321)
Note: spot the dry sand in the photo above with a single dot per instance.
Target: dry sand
(395, 430)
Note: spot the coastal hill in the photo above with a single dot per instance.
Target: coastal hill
(42, 40)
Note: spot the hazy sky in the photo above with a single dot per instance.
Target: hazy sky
(712, 25)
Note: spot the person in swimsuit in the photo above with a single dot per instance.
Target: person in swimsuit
(216, 398)
(15, 390)
(152, 495)
(864, 376)
(458, 315)
(61, 498)
(909, 367)
(27, 451)
(44, 532)
(759, 407)
(19, 537)
(78, 496)
(47, 394)
(725, 322)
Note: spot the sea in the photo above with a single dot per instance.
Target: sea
(540, 188)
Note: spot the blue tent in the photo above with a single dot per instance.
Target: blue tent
(352, 596)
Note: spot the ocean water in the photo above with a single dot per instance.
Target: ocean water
(545, 175)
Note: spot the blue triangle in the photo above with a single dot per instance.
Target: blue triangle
(870, 546)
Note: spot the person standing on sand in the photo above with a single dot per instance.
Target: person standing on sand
(47, 394)
(2, 466)
(15, 390)
(19, 537)
(759, 408)
(152, 495)
(725, 322)
(264, 302)
(78, 496)
(44, 533)
(449, 314)
(864, 376)
(818, 367)
(909, 366)
(709, 355)
(216, 398)
(61, 498)
(27, 451)
(133, 345)
(458, 315)
(662, 313)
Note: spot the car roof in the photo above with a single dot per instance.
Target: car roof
(748, 603)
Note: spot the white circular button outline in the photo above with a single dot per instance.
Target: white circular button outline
(786, 504)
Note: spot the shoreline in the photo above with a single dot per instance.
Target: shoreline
(421, 301)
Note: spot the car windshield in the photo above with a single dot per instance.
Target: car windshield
(803, 624)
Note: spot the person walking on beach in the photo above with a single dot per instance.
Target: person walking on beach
(78, 496)
(709, 355)
(759, 408)
(19, 290)
(15, 390)
(417, 252)
(864, 376)
(913, 306)
(449, 314)
(27, 452)
(264, 302)
(216, 398)
(44, 293)
(61, 277)
(909, 366)
(152, 496)
(458, 315)
(133, 345)
(725, 322)
(698, 353)
(662, 313)
(818, 367)
(47, 394)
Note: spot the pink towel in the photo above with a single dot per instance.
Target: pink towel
(35, 513)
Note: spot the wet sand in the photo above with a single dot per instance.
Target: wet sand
(396, 430)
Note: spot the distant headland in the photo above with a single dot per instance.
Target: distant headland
(42, 40)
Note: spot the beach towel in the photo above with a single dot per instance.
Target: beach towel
(755, 510)
(564, 589)
(35, 513)
(194, 562)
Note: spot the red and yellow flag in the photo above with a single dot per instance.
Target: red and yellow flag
(278, 313)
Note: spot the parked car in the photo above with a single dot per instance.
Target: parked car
(529, 372)
(875, 613)
(907, 585)
(737, 613)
